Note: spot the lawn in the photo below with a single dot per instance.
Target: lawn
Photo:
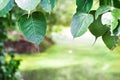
(72, 62)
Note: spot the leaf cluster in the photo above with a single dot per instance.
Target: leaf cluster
(102, 22)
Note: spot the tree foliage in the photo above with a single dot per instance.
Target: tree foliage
(103, 21)
(7, 68)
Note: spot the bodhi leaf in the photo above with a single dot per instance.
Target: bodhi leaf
(110, 20)
(97, 28)
(48, 5)
(101, 10)
(34, 27)
(7, 8)
(84, 5)
(27, 4)
(3, 3)
(110, 41)
(80, 23)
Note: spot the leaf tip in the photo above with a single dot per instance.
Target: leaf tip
(94, 41)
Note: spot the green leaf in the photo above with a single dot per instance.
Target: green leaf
(116, 13)
(110, 41)
(80, 23)
(97, 28)
(84, 5)
(34, 27)
(48, 5)
(3, 3)
(102, 10)
(27, 4)
(110, 20)
(7, 8)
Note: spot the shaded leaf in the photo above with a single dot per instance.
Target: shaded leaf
(7, 8)
(48, 5)
(80, 23)
(110, 41)
(27, 4)
(97, 28)
(34, 27)
(84, 5)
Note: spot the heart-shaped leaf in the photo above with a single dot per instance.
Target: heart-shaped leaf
(97, 28)
(7, 8)
(80, 23)
(84, 5)
(110, 41)
(27, 4)
(34, 27)
(3, 3)
(48, 5)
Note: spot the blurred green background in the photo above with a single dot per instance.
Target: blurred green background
(72, 59)
(67, 58)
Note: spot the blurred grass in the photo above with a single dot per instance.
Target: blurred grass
(72, 62)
